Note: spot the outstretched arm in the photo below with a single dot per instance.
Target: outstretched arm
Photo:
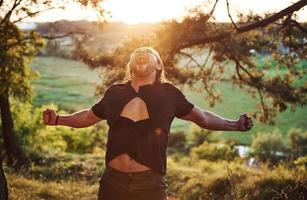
(80, 119)
(212, 121)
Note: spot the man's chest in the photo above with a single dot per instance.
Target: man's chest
(135, 109)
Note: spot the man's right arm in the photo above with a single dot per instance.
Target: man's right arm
(80, 119)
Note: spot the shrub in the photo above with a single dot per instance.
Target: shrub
(198, 135)
(37, 137)
(301, 161)
(213, 151)
(186, 184)
(297, 141)
(266, 146)
(232, 180)
(177, 143)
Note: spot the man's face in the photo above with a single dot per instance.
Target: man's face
(143, 62)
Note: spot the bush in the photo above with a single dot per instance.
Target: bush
(232, 180)
(278, 183)
(198, 135)
(297, 140)
(185, 184)
(301, 162)
(213, 151)
(37, 137)
(267, 146)
(177, 143)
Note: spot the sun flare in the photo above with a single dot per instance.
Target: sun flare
(151, 11)
(135, 11)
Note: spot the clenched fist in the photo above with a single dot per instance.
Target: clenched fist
(245, 123)
(49, 116)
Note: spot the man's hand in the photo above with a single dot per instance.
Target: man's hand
(245, 123)
(49, 116)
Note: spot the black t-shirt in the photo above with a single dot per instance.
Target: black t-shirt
(144, 140)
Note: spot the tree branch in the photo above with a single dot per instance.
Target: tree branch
(207, 58)
(9, 13)
(61, 36)
(295, 7)
(191, 57)
(229, 15)
(262, 23)
(34, 13)
(213, 8)
(264, 107)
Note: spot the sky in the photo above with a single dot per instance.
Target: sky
(136, 11)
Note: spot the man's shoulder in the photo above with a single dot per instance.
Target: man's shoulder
(170, 86)
(167, 84)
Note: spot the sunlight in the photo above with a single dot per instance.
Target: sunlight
(135, 11)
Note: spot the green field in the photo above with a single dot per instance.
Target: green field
(69, 84)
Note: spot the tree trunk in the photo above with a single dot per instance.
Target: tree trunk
(3, 185)
(15, 156)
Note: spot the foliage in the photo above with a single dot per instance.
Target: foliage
(198, 135)
(297, 140)
(66, 166)
(210, 47)
(37, 137)
(301, 161)
(213, 151)
(267, 146)
(177, 143)
(21, 188)
(17, 49)
(76, 177)
(232, 180)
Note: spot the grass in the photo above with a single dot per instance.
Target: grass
(70, 85)
(236, 102)
(22, 188)
(57, 176)
(188, 179)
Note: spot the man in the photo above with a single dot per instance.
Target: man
(139, 113)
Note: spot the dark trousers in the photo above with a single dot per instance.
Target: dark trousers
(118, 185)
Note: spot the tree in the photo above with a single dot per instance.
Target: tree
(17, 49)
(210, 47)
(3, 185)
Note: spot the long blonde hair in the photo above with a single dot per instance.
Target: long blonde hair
(160, 75)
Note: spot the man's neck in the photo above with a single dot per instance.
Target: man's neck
(139, 81)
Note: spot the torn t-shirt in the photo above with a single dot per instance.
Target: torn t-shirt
(144, 140)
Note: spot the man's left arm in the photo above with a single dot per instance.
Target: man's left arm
(212, 121)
